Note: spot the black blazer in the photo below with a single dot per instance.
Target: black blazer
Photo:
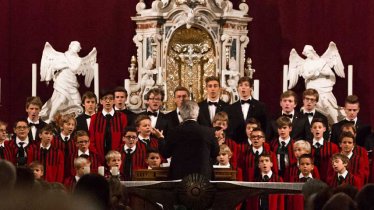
(204, 117)
(309, 135)
(38, 128)
(299, 127)
(82, 122)
(363, 132)
(172, 118)
(192, 148)
(131, 116)
(237, 123)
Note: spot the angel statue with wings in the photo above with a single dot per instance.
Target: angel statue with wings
(319, 75)
(62, 68)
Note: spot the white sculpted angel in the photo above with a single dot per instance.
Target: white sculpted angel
(62, 68)
(319, 75)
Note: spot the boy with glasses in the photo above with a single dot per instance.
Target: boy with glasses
(21, 146)
(106, 126)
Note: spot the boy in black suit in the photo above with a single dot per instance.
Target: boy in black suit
(33, 107)
(288, 102)
(351, 108)
(240, 111)
(154, 99)
(120, 97)
(89, 102)
(212, 105)
(310, 99)
(180, 94)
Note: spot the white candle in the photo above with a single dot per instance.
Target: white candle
(256, 89)
(100, 170)
(33, 80)
(285, 75)
(96, 79)
(350, 79)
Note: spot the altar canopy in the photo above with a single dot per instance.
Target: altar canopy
(181, 42)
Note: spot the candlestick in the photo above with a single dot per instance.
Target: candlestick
(33, 80)
(96, 79)
(350, 79)
(285, 79)
(256, 89)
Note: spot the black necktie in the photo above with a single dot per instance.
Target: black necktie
(213, 103)
(257, 169)
(86, 116)
(245, 101)
(349, 121)
(107, 134)
(147, 143)
(2, 152)
(264, 199)
(21, 159)
(44, 158)
(149, 113)
(33, 124)
(317, 154)
(66, 146)
(304, 179)
(309, 114)
(287, 115)
(282, 151)
(127, 169)
(84, 156)
(340, 179)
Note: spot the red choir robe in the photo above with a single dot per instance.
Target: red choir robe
(53, 163)
(293, 172)
(276, 201)
(8, 153)
(296, 202)
(247, 165)
(275, 145)
(70, 182)
(13, 147)
(326, 152)
(137, 159)
(67, 148)
(234, 150)
(97, 132)
(350, 179)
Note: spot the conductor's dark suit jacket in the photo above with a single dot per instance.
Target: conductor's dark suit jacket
(192, 148)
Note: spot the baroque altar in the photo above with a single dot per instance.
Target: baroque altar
(181, 42)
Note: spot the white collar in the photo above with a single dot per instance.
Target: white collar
(269, 174)
(77, 178)
(30, 121)
(285, 140)
(214, 101)
(260, 150)
(47, 148)
(313, 111)
(302, 176)
(105, 112)
(293, 113)
(132, 149)
(83, 153)
(249, 141)
(344, 174)
(319, 141)
(63, 137)
(26, 141)
(350, 155)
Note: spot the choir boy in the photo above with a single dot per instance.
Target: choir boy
(153, 159)
(51, 157)
(82, 144)
(89, 103)
(37, 169)
(283, 145)
(341, 174)
(244, 109)
(106, 127)
(33, 107)
(21, 146)
(114, 163)
(180, 94)
(120, 97)
(322, 149)
(249, 159)
(81, 167)
(5, 151)
(265, 201)
(212, 105)
(224, 156)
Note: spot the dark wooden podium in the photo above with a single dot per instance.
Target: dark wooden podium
(196, 192)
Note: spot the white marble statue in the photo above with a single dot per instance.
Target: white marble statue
(147, 82)
(62, 68)
(318, 74)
